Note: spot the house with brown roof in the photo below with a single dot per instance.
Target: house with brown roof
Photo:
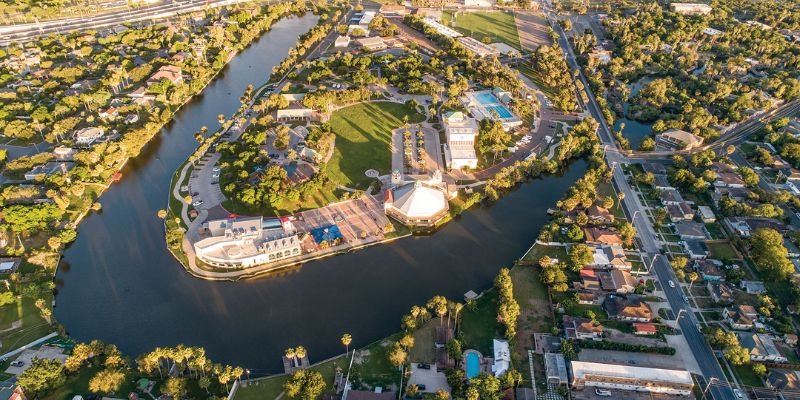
(599, 214)
(628, 309)
(720, 292)
(589, 279)
(709, 270)
(740, 317)
(582, 328)
(729, 179)
(680, 212)
(171, 73)
(587, 298)
(616, 281)
(644, 328)
(610, 257)
(670, 196)
(600, 236)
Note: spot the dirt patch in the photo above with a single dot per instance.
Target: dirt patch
(532, 29)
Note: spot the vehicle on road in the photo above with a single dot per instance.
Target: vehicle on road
(423, 366)
(198, 203)
(602, 392)
(215, 169)
(17, 363)
(738, 393)
(671, 284)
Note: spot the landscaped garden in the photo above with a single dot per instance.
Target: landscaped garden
(363, 140)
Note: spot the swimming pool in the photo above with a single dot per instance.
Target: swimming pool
(486, 98)
(473, 364)
(502, 111)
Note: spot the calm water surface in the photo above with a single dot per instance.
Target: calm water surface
(120, 284)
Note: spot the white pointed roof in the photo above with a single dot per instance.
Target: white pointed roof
(416, 200)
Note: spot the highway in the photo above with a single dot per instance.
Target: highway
(646, 237)
(21, 33)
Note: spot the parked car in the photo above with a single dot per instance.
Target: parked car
(423, 366)
(17, 363)
(602, 392)
(197, 203)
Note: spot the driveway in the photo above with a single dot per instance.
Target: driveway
(432, 379)
(27, 356)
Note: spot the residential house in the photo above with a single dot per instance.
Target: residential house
(740, 317)
(670, 197)
(628, 309)
(599, 214)
(109, 113)
(706, 214)
(761, 347)
(9, 264)
(680, 212)
(617, 281)
(87, 136)
(581, 328)
(691, 230)
(172, 73)
(48, 169)
(589, 279)
(720, 292)
(656, 168)
(753, 287)
(730, 180)
(644, 329)
(63, 153)
(587, 298)
(738, 226)
(610, 257)
(790, 339)
(662, 183)
(783, 379)
(709, 270)
(697, 249)
(502, 357)
(737, 194)
(600, 236)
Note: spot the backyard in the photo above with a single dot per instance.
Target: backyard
(363, 140)
(497, 26)
(20, 323)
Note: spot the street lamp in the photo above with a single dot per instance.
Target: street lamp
(709, 385)
(652, 262)
(681, 311)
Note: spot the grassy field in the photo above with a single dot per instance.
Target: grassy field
(270, 388)
(497, 26)
(424, 349)
(363, 140)
(33, 325)
(722, 251)
(319, 199)
(479, 326)
(79, 384)
(747, 376)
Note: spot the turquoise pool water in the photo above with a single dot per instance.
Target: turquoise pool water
(473, 365)
(502, 111)
(486, 98)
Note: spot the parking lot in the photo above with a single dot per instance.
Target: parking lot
(27, 356)
(204, 184)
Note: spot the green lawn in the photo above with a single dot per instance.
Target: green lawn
(33, 325)
(479, 326)
(270, 388)
(497, 26)
(424, 349)
(79, 384)
(747, 376)
(722, 251)
(363, 140)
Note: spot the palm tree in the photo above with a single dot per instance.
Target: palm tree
(290, 354)
(457, 307)
(438, 304)
(346, 340)
(300, 353)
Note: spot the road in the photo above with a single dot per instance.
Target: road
(636, 213)
(21, 33)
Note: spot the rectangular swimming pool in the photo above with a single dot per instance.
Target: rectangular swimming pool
(486, 98)
(502, 111)
(473, 365)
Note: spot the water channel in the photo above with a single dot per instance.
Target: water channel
(119, 284)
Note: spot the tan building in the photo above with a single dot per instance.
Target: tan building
(623, 377)
(416, 203)
(690, 8)
(374, 43)
(678, 139)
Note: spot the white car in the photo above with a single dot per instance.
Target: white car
(671, 284)
(602, 392)
(197, 203)
(738, 393)
(215, 169)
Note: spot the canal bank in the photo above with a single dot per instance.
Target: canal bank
(120, 284)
